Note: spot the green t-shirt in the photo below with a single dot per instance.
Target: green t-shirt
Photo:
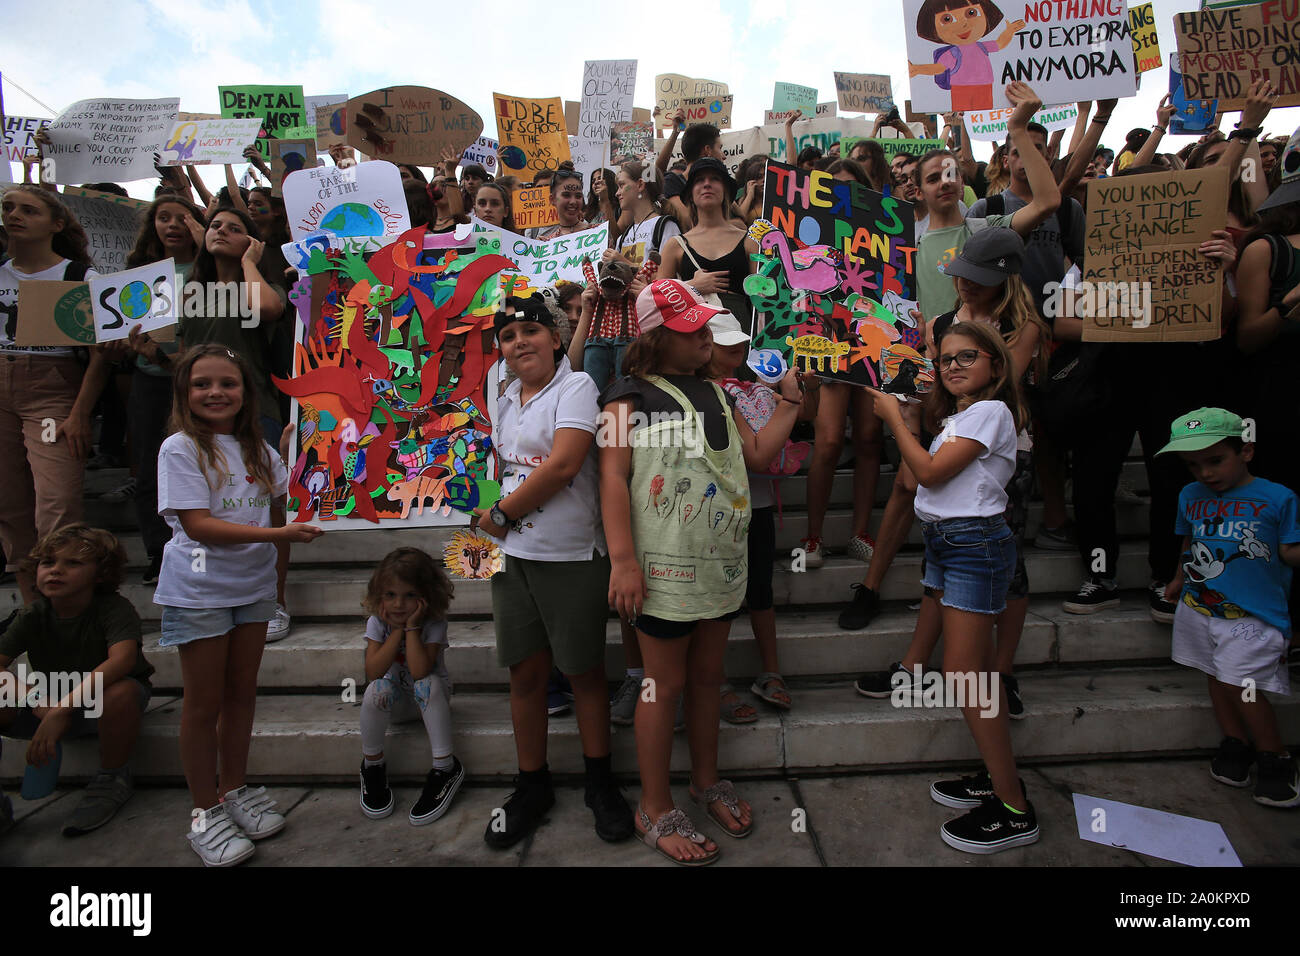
(79, 643)
(936, 293)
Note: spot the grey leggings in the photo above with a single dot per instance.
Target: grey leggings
(388, 700)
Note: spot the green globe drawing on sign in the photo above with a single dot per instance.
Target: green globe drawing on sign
(353, 219)
(75, 317)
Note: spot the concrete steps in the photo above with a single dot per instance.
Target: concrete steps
(1080, 714)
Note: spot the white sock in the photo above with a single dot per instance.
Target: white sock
(444, 763)
(372, 762)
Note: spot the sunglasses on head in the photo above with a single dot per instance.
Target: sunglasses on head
(565, 174)
(964, 359)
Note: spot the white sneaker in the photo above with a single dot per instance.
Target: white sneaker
(812, 552)
(277, 629)
(217, 840)
(254, 812)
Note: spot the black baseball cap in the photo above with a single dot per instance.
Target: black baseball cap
(531, 309)
(990, 257)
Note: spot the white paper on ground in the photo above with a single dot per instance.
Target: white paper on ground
(1168, 836)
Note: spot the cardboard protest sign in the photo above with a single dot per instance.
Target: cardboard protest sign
(111, 141)
(571, 110)
(895, 146)
(833, 253)
(826, 109)
(631, 141)
(1221, 52)
(330, 114)
(362, 200)
(708, 109)
(769, 139)
(672, 88)
(278, 107)
(792, 96)
(531, 207)
(144, 296)
(111, 223)
(531, 132)
(389, 370)
(1066, 51)
(1190, 116)
(209, 142)
(929, 120)
(287, 157)
(1144, 280)
(482, 151)
(864, 92)
(184, 117)
(53, 314)
(1146, 41)
(539, 263)
(991, 125)
(20, 136)
(410, 124)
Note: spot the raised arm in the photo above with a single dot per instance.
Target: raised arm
(1046, 194)
(1081, 155)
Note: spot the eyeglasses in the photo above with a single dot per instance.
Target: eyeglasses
(964, 359)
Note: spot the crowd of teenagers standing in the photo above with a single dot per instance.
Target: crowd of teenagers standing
(600, 511)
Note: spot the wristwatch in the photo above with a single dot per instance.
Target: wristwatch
(499, 517)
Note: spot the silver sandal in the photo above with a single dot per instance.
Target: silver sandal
(724, 791)
(674, 822)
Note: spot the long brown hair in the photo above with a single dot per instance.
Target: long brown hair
(416, 568)
(1017, 304)
(148, 247)
(71, 241)
(508, 221)
(941, 403)
(246, 429)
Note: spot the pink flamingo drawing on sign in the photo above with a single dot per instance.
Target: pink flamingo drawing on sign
(811, 269)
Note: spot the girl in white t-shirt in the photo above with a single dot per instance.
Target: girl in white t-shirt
(969, 558)
(216, 482)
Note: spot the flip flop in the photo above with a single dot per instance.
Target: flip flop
(723, 790)
(673, 822)
(759, 689)
(729, 711)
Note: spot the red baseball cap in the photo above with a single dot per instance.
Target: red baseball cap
(674, 305)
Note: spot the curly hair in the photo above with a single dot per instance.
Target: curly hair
(417, 569)
(71, 241)
(95, 543)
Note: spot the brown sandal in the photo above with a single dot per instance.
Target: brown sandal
(673, 822)
(724, 791)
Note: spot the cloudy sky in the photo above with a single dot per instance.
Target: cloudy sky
(153, 48)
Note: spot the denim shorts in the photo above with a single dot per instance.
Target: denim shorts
(971, 561)
(180, 625)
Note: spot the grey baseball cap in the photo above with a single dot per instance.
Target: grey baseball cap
(990, 257)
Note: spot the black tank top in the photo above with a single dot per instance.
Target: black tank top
(735, 263)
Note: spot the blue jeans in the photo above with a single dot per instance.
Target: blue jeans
(971, 561)
(602, 359)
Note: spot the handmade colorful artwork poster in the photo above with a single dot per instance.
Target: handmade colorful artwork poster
(836, 277)
(393, 351)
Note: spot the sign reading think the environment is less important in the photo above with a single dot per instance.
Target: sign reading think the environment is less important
(792, 96)
(607, 88)
(482, 151)
(1146, 41)
(864, 92)
(1066, 50)
(410, 124)
(531, 132)
(708, 109)
(210, 142)
(20, 136)
(1221, 52)
(362, 200)
(672, 88)
(531, 206)
(144, 296)
(991, 125)
(111, 141)
(1144, 278)
(278, 107)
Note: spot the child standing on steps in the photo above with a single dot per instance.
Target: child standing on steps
(1241, 537)
(217, 479)
(675, 500)
(975, 411)
(406, 635)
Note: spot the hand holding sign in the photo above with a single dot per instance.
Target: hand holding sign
(145, 296)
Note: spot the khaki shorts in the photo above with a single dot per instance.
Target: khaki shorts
(562, 606)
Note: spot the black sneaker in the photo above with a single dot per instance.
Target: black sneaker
(1015, 703)
(376, 798)
(151, 573)
(523, 813)
(991, 828)
(613, 815)
(1092, 596)
(1162, 611)
(440, 787)
(880, 684)
(1231, 765)
(865, 606)
(963, 793)
(1277, 782)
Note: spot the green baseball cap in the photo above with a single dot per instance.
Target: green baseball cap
(1203, 428)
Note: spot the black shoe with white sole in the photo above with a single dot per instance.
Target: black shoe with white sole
(991, 828)
(1093, 595)
(1162, 611)
(1278, 782)
(376, 798)
(964, 792)
(880, 684)
(1015, 703)
(440, 788)
(1231, 764)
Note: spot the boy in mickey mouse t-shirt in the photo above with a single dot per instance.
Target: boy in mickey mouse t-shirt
(1240, 539)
